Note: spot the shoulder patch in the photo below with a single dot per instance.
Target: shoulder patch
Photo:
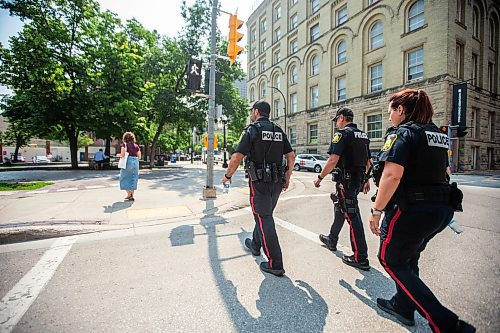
(336, 138)
(389, 142)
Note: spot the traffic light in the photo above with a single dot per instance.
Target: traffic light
(461, 131)
(193, 81)
(233, 49)
(218, 76)
(444, 129)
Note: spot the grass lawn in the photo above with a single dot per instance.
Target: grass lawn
(23, 186)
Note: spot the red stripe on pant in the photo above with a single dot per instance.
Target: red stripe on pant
(252, 203)
(387, 240)
(351, 227)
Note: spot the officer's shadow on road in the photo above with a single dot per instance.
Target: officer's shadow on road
(284, 305)
(119, 205)
(377, 285)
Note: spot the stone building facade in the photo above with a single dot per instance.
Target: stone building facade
(319, 55)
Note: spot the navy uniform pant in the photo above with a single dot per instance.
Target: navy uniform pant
(263, 199)
(404, 235)
(353, 216)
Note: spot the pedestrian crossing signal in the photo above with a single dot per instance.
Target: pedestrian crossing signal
(444, 129)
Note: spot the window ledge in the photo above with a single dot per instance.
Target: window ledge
(340, 65)
(413, 31)
(460, 23)
(375, 50)
(476, 39)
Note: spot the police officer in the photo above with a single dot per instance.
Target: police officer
(349, 151)
(417, 200)
(264, 144)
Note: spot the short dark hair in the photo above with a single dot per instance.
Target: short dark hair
(416, 104)
(263, 107)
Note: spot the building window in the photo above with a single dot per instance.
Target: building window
(252, 94)
(376, 35)
(276, 105)
(263, 26)
(292, 133)
(491, 161)
(416, 16)
(492, 84)
(475, 69)
(341, 91)
(493, 35)
(277, 12)
(314, 97)
(315, 65)
(293, 103)
(314, 32)
(313, 133)
(475, 22)
(263, 66)
(474, 157)
(253, 35)
(254, 53)
(314, 6)
(277, 57)
(491, 126)
(374, 126)
(475, 123)
(342, 15)
(262, 90)
(460, 10)
(415, 62)
(376, 77)
(277, 34)
(263, 45)
(277, 82)
(294, 21)
(293, 74)
(294, 46)
(459, 61)
(253, 72)
(293, 2)
(341, 52)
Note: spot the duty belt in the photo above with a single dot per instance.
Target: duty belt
(439, 193)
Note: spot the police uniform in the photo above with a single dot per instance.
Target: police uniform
(419, 209)
(264, 144)
(352, 145)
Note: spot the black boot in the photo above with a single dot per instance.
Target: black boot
(463, 327)
(361, 264)
(264, 266)
(389, 307)
(248, 245)
(329, 244)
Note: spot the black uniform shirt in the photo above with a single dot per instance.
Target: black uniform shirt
(397, 146)
(345, 141)
(251, 134)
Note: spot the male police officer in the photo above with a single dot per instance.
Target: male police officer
(264, 144)
(349, 151)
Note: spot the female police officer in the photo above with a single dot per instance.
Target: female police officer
(414, 181)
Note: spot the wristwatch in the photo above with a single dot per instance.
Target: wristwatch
(376, 212)
(320, 178)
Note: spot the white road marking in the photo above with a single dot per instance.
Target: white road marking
(18, 300)
(298, 230)
(94, 186)
(304, 196)
(2, 193)
(38, 192)
(67, 189)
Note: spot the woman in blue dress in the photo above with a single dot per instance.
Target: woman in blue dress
(130, 175)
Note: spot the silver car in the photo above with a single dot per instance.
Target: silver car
(313, 162)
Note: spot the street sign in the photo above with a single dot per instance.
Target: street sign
(205, 141)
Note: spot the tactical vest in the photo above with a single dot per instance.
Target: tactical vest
(356, 150)
(268, 145)
(429, 155)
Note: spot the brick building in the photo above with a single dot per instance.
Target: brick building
(324, 54)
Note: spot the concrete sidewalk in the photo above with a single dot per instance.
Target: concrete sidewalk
(88, 204)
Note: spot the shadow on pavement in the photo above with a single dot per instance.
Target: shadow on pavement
(117, 206)
(284, 305)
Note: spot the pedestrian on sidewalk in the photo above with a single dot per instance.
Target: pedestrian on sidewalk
(350, 158)
(264, 144)
(414, 179)
(130, 175)
(99, 158)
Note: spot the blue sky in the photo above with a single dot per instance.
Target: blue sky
(162, 15)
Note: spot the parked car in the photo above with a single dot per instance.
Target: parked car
(314, 162)
(40, 159)
(20, 158)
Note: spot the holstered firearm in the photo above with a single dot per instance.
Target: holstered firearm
(251, 169)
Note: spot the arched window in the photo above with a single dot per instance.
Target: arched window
(493, 34)
(376, 35)
(315, 65)
(277, 82)
(475, 22)
(252, 94)
(341, 52)
(416, 15)
(262, 90)
(293, 74)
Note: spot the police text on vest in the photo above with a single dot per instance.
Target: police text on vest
(437, 139)
(268, 136)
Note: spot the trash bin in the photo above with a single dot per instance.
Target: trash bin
(173, 159)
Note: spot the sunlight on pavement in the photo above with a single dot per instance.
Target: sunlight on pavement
(166, 212)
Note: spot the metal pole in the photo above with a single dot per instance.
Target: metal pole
(224, 165)
(284, 104)
(209, 191)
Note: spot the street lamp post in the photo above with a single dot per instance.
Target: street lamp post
(284, 102)
(224, 121)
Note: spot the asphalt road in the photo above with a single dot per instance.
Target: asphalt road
(195, 275)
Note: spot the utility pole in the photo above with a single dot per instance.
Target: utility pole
(209, 190)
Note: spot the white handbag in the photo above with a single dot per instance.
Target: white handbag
(122, 163)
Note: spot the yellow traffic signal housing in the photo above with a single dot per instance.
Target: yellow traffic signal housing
(233, 49)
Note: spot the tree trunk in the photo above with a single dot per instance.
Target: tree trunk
(107, 150)
(16, 152)
(155, 140)
(73, 146)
